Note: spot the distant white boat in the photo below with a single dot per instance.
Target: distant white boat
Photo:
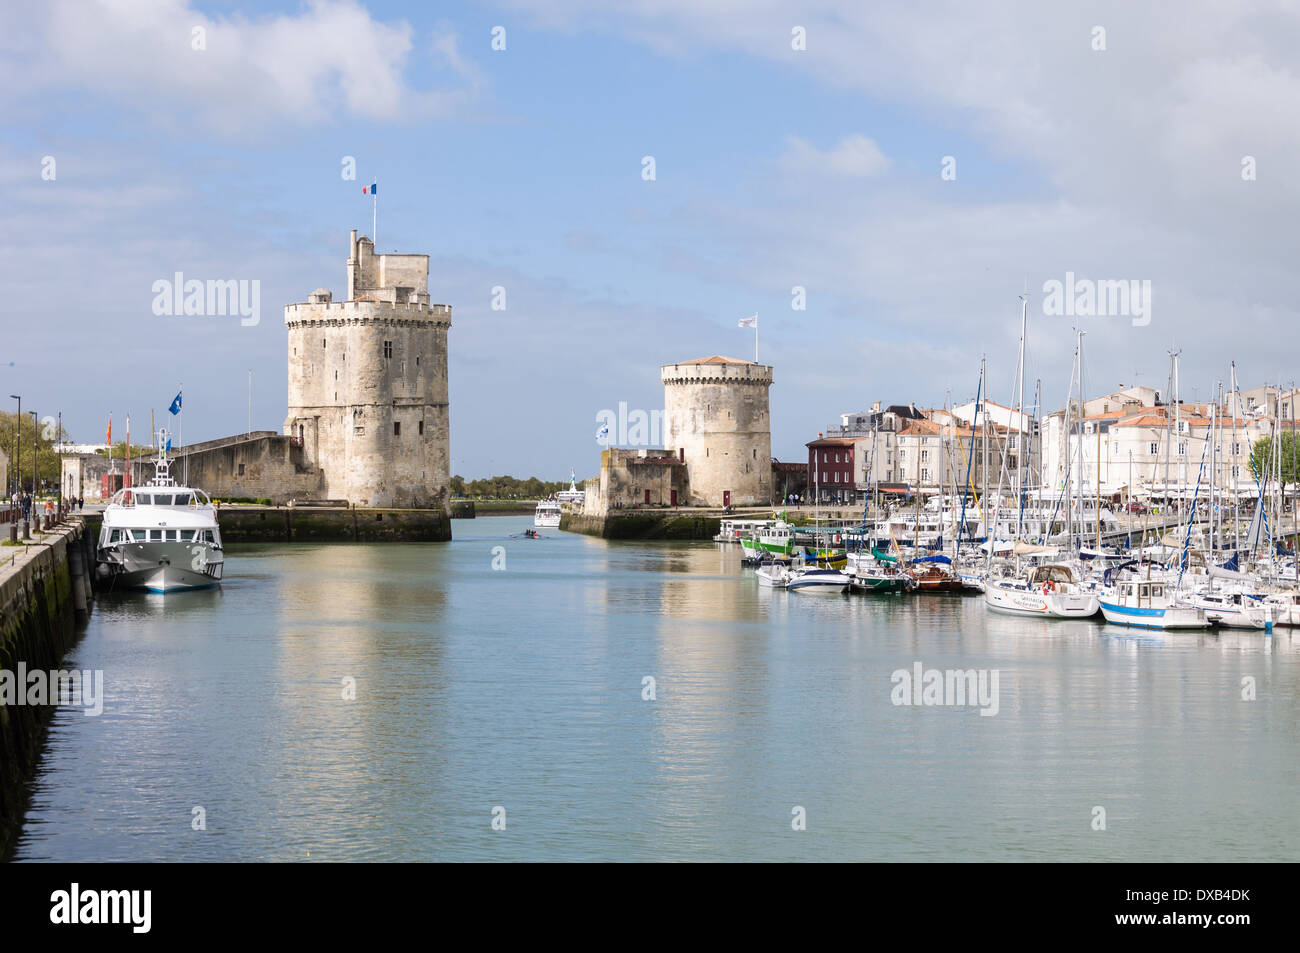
(547, 514)
(572, 494)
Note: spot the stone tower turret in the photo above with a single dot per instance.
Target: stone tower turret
(716, 419)
(368, 383)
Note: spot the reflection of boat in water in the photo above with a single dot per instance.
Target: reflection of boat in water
(161, 537)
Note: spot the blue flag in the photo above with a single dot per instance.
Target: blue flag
(175, 408)
(169, 444)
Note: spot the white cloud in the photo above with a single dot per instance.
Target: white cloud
(331, 60)
(854, 155)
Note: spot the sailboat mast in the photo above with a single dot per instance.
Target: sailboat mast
(1020, 412)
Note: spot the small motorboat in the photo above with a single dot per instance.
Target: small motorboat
(772, 574)
(811, 579)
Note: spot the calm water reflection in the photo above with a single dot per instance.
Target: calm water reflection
(523, 688)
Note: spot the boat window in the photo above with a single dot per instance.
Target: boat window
(207, 536)
(162, 499)
(143, 499)
(182, 499)
(115, 536)
(1157, 590)
(155, 535)
(1146, 591)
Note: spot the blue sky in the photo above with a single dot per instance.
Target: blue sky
(522, 168)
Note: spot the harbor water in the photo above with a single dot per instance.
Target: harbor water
(508, 679)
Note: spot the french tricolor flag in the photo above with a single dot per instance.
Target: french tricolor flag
(372, 190)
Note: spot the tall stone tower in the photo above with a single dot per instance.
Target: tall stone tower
(716, 419)
(368, 383)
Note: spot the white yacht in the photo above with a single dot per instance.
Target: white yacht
(1049, 591)
(547, 514)
(160, 537)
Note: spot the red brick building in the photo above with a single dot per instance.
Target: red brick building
(830, 469)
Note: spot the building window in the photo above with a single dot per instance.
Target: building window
(925, 455)
(388, 349)
(241, 469)
(397, 428)
(322, 342)
(421, 428)
(925, 475)
(1182, 448)
(1155, 449)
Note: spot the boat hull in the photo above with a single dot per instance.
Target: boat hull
(818, 582)
(1053, 605)
(160, 566)
(878, 585)
(1171, 617)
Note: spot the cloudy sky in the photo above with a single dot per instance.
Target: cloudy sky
(913, 167)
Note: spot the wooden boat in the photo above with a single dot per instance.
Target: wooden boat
(933, 577)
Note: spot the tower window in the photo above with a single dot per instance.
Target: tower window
(388, 349)
(397, 428)
(417, 360)
(322, 342)
(421, 426)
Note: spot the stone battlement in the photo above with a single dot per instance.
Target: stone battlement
(759, 374)
(314, 313)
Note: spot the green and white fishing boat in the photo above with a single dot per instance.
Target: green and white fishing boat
(777, 539)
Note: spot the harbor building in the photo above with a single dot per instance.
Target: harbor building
(716, 420)
(368, 403)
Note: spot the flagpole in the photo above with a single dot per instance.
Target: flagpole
(374, 219)
(755, 337)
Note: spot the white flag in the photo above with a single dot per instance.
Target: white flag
(749, 322)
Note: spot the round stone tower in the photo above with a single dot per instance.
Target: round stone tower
(716, 420)
(368, 383)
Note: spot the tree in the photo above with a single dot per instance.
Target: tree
(46, 435)
(457, 486)
(1281, 447)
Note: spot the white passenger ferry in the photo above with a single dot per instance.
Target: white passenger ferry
(547, 514)
(160, 537)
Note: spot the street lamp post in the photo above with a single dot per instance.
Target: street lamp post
(18, 445)
(34, 428)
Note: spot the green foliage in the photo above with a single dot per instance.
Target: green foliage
(1262, 457)
(47, 461)
(505, 488)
